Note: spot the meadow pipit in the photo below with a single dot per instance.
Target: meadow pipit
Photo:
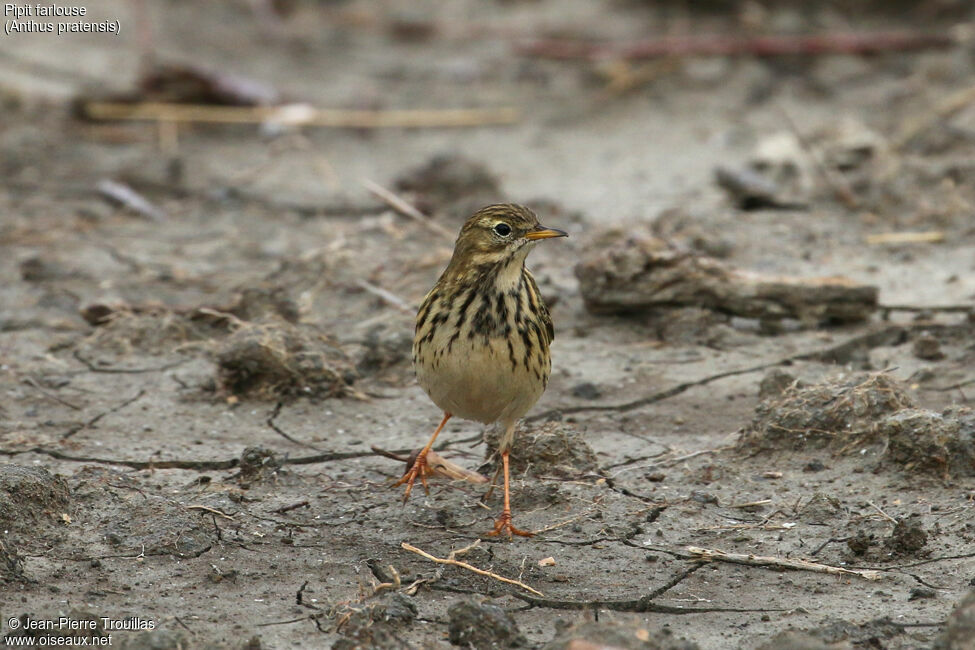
(481, 346)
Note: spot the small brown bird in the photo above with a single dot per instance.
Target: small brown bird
(481, 345)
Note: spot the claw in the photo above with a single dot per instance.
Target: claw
(503, 526)
(417, 465)
(418, 468)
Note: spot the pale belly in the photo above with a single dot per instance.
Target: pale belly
(477, 380)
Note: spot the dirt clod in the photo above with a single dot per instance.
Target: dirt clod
(860, 543)
(156, 640)
(959, 632)
(693, 326)
(483, 626)
(446, 178)
(384, 348)
(258, 464)
(396, 608)
(40, 269)
(376, 625)
(928, 348)
(586, 390)
(922, 593)
(366, 637)
(126, 332)
(819, 509)
(30, 496)
(552, 449)
(774, 384)
(123, 330)
(908, 537)
(795, 640)
(11, 564)
(869, 634)
(833, 413)
(263, 301)
(633, 636)
(645, 273)
(749, 190)
(279, 360)
(862, 411)
(217, 576)
(96, 313)
(924, 441)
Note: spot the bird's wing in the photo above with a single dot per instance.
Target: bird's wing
(543, 315)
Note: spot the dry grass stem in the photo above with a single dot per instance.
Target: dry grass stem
(942, 111)
(213, 511)
(751, 504)
(404, 208)
(714, 555)
(882, 513)
(386, 296)
(923, 237)
(453, 561)
(306, 116)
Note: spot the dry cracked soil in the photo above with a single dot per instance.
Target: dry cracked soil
(191, 389)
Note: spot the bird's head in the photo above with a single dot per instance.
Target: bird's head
(498, 235)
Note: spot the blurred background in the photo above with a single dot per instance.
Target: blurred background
(619, 108)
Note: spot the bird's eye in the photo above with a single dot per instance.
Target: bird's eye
(503, 229)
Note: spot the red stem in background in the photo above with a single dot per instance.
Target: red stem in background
(720, 45)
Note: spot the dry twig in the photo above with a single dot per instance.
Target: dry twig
(404, 208)
(127, 197)
(306, 116)
(564, 522)
(386, 296)
(882, 513)
(944, 110)
(452, 560)
(924, 237)
(751, 504)
(213, 511)
(94, 367)
(714, 555)
(293, 506)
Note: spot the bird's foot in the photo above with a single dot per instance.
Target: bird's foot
(418, 468)
(503, 527)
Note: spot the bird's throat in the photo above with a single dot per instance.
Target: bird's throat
(509, 274)
(493, 272)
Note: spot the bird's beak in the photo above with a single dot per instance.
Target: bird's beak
(545, 233)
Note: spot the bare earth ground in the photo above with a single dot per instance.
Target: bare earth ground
(278, 553)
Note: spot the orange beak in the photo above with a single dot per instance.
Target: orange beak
(545, 233)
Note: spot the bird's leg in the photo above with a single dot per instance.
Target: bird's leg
(419, 466)
(494, 484)
(503, 523)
